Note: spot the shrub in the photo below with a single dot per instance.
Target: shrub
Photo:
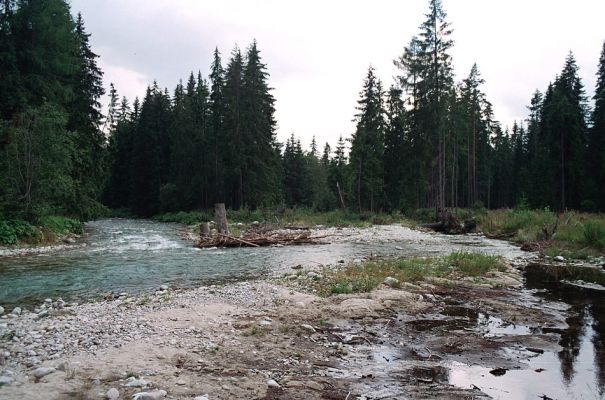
(12, 231)
(593, 234)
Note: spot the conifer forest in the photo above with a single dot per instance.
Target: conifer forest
(428, 139)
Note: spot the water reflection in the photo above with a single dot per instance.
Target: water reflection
(583, 345)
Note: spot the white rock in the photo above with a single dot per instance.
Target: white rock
(204, 397)
(64, 366)
(308, 327)
(134, 382)
(16, 311)
(112, 394)
(48, 300)
(43, 371)
(272, 383)
(5, 380)
(559, 258)
(1, 310)
(390, 281)
(155, 395)
(398, 248)
(313, 275)
(163, 287)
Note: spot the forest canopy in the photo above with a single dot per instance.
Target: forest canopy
(426, 141)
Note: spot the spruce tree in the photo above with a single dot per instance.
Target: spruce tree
(596, 144)
(234, 157)
(367, 147)
(261, 177)
(397, 175)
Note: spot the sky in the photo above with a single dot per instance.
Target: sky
(317, 52)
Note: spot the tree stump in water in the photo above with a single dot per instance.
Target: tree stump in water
(204, 229)
(220, 217)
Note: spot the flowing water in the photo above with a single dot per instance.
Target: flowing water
(120, 255)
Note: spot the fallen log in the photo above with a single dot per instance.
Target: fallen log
(258, 240)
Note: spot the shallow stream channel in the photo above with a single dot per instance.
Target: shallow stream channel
(545, 340)
(132, 256)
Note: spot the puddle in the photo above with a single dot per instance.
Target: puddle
(575, 372)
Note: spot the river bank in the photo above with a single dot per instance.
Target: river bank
(272, 336)
(267, 339)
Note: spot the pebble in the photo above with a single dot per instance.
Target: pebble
(16, 311)
(134, 382)
(5, 380)
(559, 258)
(163, 287)
(155, 395)
(272, 383)
(112, 394)
(204, 397)
(41, 372)
(1, 310)
(308, 327)
(313, 275)
(391, 282)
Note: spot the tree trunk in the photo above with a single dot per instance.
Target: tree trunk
(220, 217)
(342, 201)
(204, 229)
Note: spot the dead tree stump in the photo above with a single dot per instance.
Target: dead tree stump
(220, 217)
(204, 229)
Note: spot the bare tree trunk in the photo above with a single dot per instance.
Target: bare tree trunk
(342, 201)
(220, 217)
(204, 229)
(359, 186)
(562, 173)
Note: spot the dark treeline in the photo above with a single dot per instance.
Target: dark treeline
(52, 150)
(425, 142)
(210, 141)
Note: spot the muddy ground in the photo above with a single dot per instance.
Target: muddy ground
(265, 340)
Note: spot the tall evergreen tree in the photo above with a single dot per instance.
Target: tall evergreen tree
(596, 144)
(261, 158)
(216, 130)
(367, 147)
(397, 170)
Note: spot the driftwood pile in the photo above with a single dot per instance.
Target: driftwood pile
(259, 235)
(448, 223)
(251, 239)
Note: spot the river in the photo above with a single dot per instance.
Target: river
(124, 255)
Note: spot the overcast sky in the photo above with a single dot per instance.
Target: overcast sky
(318, 51)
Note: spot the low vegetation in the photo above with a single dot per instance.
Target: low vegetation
(367, 276)
(47, 230)
(290, 216)
(572, 234)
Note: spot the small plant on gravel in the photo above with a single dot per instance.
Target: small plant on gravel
(473, 264)
(365, 277)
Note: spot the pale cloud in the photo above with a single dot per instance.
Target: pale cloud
(129, 82)
(318, 51)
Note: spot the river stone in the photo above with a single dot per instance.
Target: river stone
(1, 310)
(5, 380)
(272, 383)
(163, 287)
(204, 397)
(134, 382)
(559, 258)
(112, 394)
(16, 311)
(41, 372)
(308, 327)
(154, 395)
(390, 281)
